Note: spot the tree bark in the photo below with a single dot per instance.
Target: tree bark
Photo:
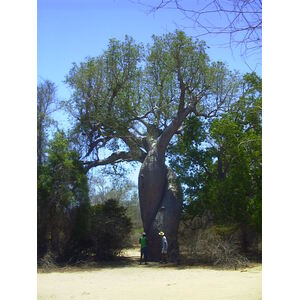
(160, 197)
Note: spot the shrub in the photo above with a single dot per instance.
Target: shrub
(110, 229)
(217, 246)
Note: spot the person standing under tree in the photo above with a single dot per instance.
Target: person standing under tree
(143, 242)
(164, 248)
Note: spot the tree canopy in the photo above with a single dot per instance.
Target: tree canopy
(130, 95)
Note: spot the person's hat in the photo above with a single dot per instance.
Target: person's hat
(161, 233)
(144, 233)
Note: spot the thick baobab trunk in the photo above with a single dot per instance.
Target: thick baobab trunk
(160, 194)
(160, 202)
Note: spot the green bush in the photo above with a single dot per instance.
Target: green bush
(110, 229)
(62, 200)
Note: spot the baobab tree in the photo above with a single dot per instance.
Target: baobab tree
(132, 100)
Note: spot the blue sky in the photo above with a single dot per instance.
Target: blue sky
(70, 30)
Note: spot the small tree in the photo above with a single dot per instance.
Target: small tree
(62, 186)
(46, 101)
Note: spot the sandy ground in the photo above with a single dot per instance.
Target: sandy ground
(152, 281)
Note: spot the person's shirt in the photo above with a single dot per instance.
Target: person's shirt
(164, 244)
(143, 242)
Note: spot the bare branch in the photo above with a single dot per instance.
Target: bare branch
(240, 20)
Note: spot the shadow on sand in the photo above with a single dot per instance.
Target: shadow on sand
(122, 262)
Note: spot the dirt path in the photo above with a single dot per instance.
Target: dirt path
(153, 281)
